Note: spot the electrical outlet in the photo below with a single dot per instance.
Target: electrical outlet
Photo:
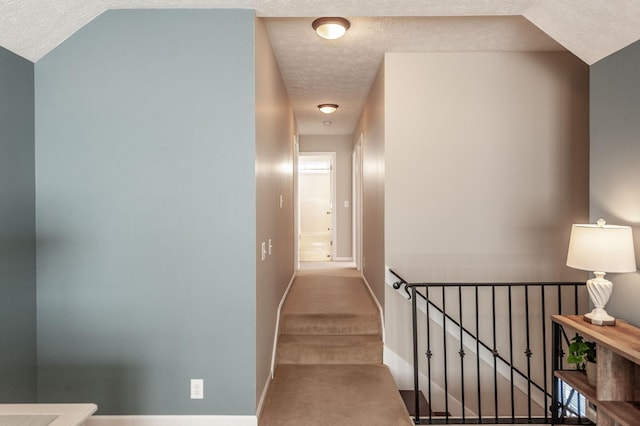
(197, 388)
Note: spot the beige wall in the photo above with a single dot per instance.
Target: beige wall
(372, 128)
(486, 164)
(343, 147)
(486, 167)
(275, 128)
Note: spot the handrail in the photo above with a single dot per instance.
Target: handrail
(412, 288)
(397, 285)
(457, 324)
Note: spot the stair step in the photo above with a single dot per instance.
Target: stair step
(323, 349)
(331, 324)
(335, 395)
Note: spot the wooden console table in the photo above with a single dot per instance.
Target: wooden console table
(46, 414)
(617, 393)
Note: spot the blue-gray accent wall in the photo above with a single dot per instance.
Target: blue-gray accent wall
(17, 231)
(145, 165)
(615, 161)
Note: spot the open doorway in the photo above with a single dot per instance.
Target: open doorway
(316, 201)
(357, 200)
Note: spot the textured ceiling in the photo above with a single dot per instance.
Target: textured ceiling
(341, 71)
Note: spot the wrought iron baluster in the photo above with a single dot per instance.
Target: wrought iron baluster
(416, 366)
(495, 353)
(429, 354)
(461, 353)
(555, 361)
(454, 328)
(513, 400)
(444, 349)
(528, 352)
(478, 355)
(544, 352)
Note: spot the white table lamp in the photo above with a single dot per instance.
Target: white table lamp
(601, 248)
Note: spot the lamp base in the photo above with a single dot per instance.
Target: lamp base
(599, 317)
(599, 289)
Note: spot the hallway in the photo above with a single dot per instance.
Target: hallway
(329, 367)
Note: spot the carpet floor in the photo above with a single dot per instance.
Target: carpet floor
(329, 357)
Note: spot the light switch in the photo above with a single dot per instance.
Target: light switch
(264, 251)
(346, 204)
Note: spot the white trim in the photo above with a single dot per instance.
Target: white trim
(354, 206)
(343, 259)
(334, 210)
(275, 337)
(263, 396)
(402, 373)
(172, 421)
(375, 299)
(357, 200)
(265, 389)
(468, 341)
(360, 219)
(296, 196)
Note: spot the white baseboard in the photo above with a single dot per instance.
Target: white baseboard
(402, 373)
(172, 421)
(277, 332)
(520, 383)
(263, 396)
(375, 299)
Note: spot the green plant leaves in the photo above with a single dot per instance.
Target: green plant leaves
(580, 352)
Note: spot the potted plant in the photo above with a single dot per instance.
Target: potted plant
(583, 355)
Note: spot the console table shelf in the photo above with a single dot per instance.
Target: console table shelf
(627, 413)
(617, 394)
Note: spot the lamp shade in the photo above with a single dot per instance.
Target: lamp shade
(601, 247)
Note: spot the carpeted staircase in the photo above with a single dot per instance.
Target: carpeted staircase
(329, 357)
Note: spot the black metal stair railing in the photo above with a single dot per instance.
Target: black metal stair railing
(568, 405)
(508, 395)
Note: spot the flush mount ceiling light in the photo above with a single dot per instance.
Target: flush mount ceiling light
(328, 108)
(331, 28)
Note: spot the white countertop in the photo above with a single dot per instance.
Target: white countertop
(45, 414)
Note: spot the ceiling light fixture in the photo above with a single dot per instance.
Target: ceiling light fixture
(331, 28)
(328, 108)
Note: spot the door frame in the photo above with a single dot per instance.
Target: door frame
(332, 174)
(356, 203)
(296, 209)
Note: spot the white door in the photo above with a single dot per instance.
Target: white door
(316, 208)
